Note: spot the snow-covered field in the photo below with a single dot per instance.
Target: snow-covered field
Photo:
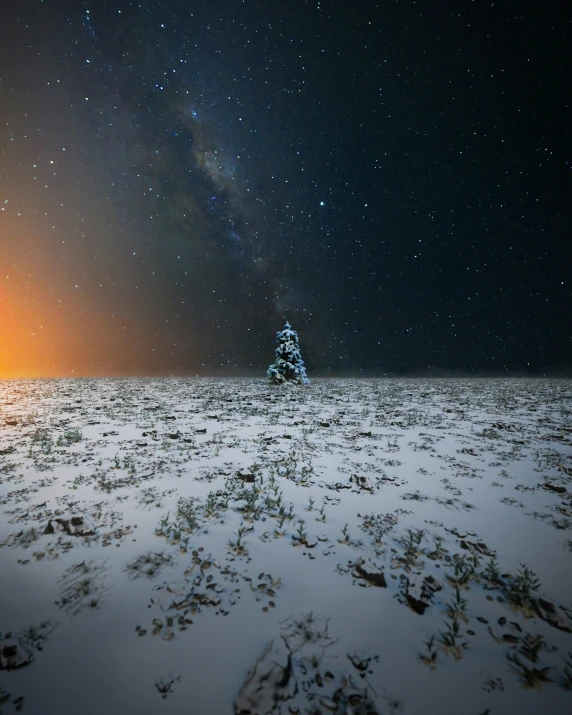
(206, 546)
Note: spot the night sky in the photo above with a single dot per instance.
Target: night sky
(179, 177)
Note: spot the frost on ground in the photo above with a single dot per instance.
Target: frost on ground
(226, 546)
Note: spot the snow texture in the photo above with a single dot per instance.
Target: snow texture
(220, 546)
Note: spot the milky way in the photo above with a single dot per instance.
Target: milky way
(178, 139)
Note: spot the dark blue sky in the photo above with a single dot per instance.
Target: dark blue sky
(393, 178)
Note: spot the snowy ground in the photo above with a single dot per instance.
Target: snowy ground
(371, 546)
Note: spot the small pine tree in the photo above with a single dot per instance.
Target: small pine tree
(288, 366)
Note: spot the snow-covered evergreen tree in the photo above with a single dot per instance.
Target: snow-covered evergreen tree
(288, 366)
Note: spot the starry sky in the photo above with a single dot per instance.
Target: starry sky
(178, 178)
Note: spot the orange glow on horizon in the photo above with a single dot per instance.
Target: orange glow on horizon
(43, 332)
(27, 345)
(46, 332)
(55, 321)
